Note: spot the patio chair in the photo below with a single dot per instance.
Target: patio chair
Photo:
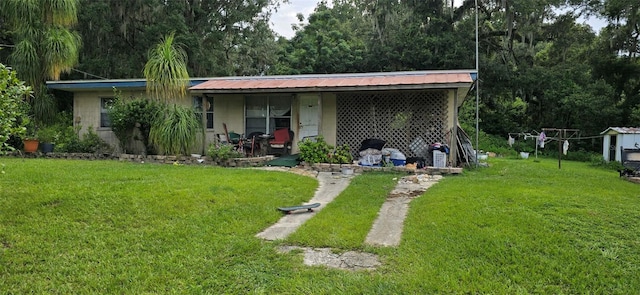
(281, 141)
(252, 143)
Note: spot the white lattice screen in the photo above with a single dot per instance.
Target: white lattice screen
(407, 121)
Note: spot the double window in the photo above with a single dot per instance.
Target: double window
(204, 110)
(105, 105)
(267, 113)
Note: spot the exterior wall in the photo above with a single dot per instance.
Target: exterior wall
(626, 141)
(328, 119)
(229, 109)
(86, 112)
(606, 143)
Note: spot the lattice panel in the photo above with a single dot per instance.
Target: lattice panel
(407, 121)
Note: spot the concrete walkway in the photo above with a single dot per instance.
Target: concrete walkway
(387, 228)
(330, 186)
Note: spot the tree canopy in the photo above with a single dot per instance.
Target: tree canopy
(539, 65)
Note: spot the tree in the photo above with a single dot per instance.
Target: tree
(332, 42)
(175, 128)
(166, 71)
(221, 38)
(13, 107)
(45, 45)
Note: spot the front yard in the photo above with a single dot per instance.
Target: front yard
(110, 227)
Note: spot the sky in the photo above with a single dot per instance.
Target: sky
(286, 16)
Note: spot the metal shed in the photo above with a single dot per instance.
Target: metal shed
(618, 138)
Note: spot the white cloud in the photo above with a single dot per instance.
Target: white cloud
(282, 20)
(286, 15)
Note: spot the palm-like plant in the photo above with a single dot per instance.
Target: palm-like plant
(166, 71)
(45, 46)
(174, 130)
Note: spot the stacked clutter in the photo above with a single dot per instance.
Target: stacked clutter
(373, 153)
(394, 156)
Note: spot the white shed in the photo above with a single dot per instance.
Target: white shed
(617, 138)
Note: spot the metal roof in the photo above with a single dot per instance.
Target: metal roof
(339, 82)
(621, 130)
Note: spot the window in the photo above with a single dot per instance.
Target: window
(267, 113)
(105, 105)
(204, 110)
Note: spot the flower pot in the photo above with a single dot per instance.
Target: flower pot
(47, 147)
(30, 145)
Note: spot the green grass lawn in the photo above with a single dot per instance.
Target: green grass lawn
(109, 227)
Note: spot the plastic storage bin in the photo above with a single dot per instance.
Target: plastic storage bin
(397, 162)
(439, 159)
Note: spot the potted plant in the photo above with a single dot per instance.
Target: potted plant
(47, 137)
(30, 144)
(30, 141)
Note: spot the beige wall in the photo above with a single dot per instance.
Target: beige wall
(86, 112)
(229, 109)
(329, 119)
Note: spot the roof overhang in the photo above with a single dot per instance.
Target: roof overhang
(414, 80)
(621, 130)
(95, 85)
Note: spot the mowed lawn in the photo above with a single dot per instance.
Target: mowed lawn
(107, 227)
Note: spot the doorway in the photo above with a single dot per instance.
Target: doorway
(309, 116)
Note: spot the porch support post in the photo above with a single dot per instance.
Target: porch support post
(453, 149)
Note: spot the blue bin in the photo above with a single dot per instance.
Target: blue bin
(397, 162)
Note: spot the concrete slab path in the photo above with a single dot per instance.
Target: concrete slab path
(330, 185)
(387, 228)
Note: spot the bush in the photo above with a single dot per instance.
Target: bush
(314, 151)
(222, 152)
(341, 155)
(70, 142)
(319, 151)
(13, 108)
(126, 115)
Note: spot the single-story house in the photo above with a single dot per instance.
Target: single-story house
(617, 138)
(409, 110)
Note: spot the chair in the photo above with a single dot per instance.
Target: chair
(281, 140)
(232, 138)
(252, 143)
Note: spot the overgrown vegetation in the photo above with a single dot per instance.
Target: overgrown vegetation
(222, 152)
(127, 115)
(317, 150)
(14, 110)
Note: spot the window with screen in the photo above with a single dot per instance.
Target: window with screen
(267, 113)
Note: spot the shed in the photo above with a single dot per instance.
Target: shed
(618, 138)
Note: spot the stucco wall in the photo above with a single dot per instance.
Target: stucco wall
(86, 112)
(229, 109)
(329, 118)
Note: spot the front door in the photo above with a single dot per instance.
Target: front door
(613, 148)
(309, 116)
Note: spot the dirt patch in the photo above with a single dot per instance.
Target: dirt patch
(350, 260)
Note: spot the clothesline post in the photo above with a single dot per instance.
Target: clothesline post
(561, 133)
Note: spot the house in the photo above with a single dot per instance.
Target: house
(409, 110)
(617, 138)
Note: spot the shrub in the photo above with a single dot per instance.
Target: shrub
(70, 142)
(314, 151)
(13, 108)
(341, 155)
(126, 115)
(174, 130)
(222, 152)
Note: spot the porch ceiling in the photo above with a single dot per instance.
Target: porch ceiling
(416, 80)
